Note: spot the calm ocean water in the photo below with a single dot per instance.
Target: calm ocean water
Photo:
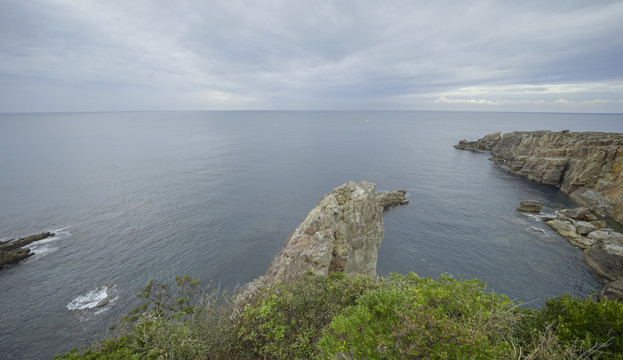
(213, 195)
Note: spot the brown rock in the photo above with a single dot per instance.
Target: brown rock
(579, 213)
(612, 291)
(530, 206)
(392, 198)
(584, 227)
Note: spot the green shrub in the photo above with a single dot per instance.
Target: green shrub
(589, 327)
(286, 319)
(412, 317)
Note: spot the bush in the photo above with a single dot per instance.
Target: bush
(285, 320)
(586, 327)
(412, 317)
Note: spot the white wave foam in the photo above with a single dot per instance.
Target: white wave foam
(93, 299)
(43, 250)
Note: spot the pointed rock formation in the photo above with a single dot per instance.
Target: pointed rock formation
(341, 234)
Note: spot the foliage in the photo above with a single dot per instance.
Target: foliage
(592, 328)
(357, 317)
(412, 317)
(285, 320)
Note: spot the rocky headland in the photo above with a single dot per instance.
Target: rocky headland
(588, 166)
(13, 251)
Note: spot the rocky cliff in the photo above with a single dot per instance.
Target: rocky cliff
(341, 234)
(586, 165)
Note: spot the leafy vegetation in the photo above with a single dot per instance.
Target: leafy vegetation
(357, 317)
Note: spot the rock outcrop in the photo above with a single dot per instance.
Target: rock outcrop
(12, 251)
(530, 206)
(603, 247)
(341, 234)
(586, 165)
(392, 198)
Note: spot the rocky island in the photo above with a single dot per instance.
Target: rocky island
(13, 251)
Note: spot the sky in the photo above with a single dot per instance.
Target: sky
(134, 55)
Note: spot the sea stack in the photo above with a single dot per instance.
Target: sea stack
(341, 234)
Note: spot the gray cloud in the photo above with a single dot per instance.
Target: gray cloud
(63, 55)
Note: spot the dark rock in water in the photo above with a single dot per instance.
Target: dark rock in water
(391, 198)
(586, 165)
(579, 213)
(13, 256)
(530, 206)
(21, 242)
(11, 252)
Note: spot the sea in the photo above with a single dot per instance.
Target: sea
(134, 196)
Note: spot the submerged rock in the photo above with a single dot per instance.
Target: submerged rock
(586, 165)
(530, 206)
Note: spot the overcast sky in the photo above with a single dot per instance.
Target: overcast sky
(107, 55)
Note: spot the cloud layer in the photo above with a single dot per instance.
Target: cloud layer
(63, 55)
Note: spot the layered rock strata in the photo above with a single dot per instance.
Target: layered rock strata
(586, 165)
(603, 246)
(13, 251)
(341, 234)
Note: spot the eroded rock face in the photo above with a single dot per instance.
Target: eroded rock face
(341, 234)
(586, 165)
